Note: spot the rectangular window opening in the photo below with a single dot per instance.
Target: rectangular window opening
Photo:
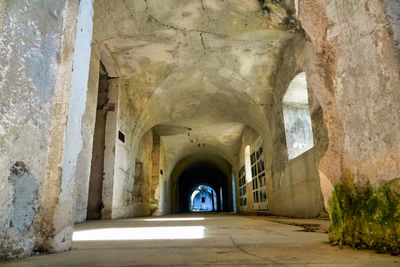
(121, 136)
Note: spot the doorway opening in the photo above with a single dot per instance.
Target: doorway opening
(297, 119)
(202, 179)
(95, 200)
(203, 199)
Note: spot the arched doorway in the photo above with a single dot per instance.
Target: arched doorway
(203, 199)
(202, 186)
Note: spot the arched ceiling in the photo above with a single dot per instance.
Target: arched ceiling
(221, 139)
(207, 65)
(199, 159)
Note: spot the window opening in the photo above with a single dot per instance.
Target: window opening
(220, 194)
(259, 182)
(297, 119)
(242, 190)
(203, 199)
(121, 136)
(247, 164)
(234, 191)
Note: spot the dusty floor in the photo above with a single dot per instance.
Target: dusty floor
(203, 239)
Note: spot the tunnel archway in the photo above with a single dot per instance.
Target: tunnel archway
(195, 171)
(202, 173)
(203, 199)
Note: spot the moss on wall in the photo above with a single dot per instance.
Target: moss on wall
(366, 216)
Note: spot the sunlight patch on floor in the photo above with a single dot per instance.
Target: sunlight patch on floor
(140, 233)
(174, 219)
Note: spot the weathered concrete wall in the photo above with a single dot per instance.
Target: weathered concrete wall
(39, 48)
(293, 186)
(111, 136)
(125, 157)
(143, 175)
(294, 189)
(75, 123)
(163, 188)
(98, 53)
(297, 193)
(156, 184)
(88, 123)
(286, 197)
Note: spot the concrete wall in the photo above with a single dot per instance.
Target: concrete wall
(297, 193)
(74, 133)
(157, 179)
(36, 43)
(141, 201)
(295, 55)
(98, 53)
(294, 190)
(110, 151)
(163, 191)
(88, 123)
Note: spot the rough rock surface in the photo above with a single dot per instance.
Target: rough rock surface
(355, 76)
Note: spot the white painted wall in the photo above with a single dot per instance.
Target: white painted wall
(77, 103)
(88, 124)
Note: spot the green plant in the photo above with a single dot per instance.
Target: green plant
(367, 216)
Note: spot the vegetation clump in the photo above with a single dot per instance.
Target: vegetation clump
(366, 216)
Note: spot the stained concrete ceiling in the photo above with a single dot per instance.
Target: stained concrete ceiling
(205, 65)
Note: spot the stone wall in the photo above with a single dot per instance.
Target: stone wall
(354, 75)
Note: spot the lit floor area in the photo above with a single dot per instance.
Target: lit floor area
(203, 239)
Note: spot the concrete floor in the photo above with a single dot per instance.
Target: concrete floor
(203, 239)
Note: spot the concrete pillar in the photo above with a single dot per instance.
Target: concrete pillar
(156, 177)
(36, 55)
(88, 122)
(110, 152)
(74, 132)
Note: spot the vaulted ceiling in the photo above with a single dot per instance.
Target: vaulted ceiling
(206, 65)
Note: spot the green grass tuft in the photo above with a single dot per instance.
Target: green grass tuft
(366, 217)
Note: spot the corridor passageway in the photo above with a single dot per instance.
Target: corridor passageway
(203, 239)
(113, 112)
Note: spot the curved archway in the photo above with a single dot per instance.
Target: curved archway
(247, 163)
(201, 170)
(203, 199)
